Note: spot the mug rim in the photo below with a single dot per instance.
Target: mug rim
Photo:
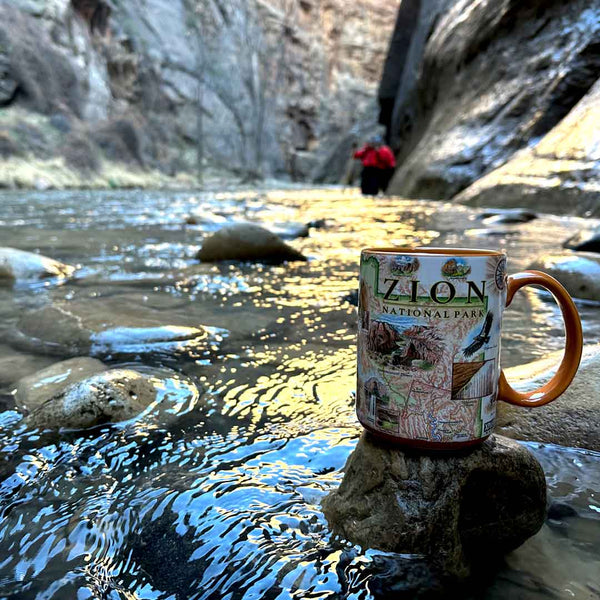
(419, 251)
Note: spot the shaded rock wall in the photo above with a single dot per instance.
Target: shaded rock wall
(278, 80)
(481, 80)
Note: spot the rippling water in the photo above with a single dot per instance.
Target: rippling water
(214, 491)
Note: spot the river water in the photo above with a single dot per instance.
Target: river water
(215, 492)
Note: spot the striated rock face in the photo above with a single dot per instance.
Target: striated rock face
(571, 420)
(453, 509)
(559, 174)
(479, 82)
(278, 81)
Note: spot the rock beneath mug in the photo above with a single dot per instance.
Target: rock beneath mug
(99, 327)
(108, 397)
(246, 242)
(579, 272)
(18, 265)
(453, 509)
(573, 419)
(587, 240)
(35, 389)
(508, 216)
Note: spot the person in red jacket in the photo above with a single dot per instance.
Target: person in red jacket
(378, 166)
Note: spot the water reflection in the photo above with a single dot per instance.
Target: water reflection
(214, 491)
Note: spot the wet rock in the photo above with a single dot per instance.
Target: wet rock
(99, 328)
(579, 272)
(558, 511)
(351, 298)
(35, 389)
(319, 224)
(571, 420)
(587, 240)
(20, 265)
(289, 231)
(507, 216)
(453, 509)
(247, 242)
(108, 397)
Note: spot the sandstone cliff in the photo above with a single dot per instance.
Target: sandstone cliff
(85, 83)
(468, 83)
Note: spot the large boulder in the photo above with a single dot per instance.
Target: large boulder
(573, 419)
(247, 242)
(579, 272)
(108, 397)
(559, 174)
(481, 79)
(33, 390)
(99, 328)
(20, 265)
(454, 509)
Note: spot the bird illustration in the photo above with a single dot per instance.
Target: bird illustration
(482, 338)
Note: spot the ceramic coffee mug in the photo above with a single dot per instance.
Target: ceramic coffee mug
(429, 344)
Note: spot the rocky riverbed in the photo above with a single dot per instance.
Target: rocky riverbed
(222, 409)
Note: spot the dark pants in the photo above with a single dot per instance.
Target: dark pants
(369, 181)
(385, 176)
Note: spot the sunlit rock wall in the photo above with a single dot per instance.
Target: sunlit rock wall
(278, 80)
(480, 80)
(561, 173)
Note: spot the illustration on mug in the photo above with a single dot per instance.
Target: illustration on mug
(413, 346)
(456, 268)
(405, 265)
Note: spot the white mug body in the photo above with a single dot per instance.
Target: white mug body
(429, 344)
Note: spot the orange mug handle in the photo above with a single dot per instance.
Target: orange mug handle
(573, 346)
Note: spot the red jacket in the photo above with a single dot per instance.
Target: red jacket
(386, 157)
(380, 158)
(368, 156)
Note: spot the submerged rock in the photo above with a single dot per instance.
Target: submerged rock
(290, 230)
(456, 510)
(579, 272)
(587, 240)
(20, 265)
(573, 419)
(248, 242)
(507, 216)
(108, 397)
(16, 365)
(98, 328)
(35, 389)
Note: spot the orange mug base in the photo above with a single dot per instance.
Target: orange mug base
(438, 447)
